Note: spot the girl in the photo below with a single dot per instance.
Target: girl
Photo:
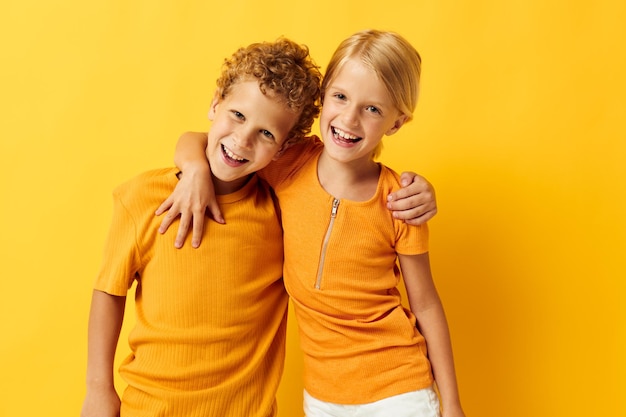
(364, 353)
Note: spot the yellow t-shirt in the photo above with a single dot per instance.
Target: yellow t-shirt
(209, 337)
(360, 344)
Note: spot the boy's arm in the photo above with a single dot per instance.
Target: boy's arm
(194, 194)
(415, 202)
(431, 321)
(105, 323)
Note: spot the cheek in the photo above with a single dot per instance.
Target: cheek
(265, 153)
(325, 116)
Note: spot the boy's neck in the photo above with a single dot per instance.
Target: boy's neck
(229, 187)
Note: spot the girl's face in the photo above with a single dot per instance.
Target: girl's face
(357, 112)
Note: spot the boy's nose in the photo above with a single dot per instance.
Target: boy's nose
(244, 139)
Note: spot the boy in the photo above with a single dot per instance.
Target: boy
(210, 333)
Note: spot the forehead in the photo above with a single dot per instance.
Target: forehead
(356, 77)
(265, 110)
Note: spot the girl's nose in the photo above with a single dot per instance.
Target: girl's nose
(351, 116)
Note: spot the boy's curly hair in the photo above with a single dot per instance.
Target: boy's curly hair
(285, 68)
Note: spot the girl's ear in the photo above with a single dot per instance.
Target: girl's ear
(397, 124)
(213, 108)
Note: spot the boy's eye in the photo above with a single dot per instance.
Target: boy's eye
(267, 134)
(238, 115)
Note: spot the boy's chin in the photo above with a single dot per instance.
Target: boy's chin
(228, 179)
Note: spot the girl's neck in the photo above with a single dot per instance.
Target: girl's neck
(355, 180)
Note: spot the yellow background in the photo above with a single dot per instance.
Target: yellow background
(520, 126)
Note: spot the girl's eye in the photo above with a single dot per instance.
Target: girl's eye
(372, 109)
(340, 96)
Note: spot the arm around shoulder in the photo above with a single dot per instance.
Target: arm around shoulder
(194, 194)
(415, 202)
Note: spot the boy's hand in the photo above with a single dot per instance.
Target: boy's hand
(415, 202)
(190, 200)
(101, 403)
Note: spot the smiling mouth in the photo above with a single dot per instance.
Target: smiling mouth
(232, 157)
(344, 137)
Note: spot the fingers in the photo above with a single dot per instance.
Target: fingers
(400, 202)
(197, 230)
(167, 221)
(183, 228)
(164, 206)
(407, 178)
(215, 212)
(415, 209)
(415, 202)
(416, 216)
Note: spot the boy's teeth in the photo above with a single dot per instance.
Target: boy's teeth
(345, 135)
(232, 155)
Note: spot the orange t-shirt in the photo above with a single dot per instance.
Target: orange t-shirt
(360, 344)
(209, 334)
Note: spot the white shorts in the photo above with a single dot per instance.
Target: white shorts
(421, 403)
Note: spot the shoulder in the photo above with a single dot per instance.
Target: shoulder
(146, 181)
(146, 189)
(389, 178)
(292, 160)
(309, 146)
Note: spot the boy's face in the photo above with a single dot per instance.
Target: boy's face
(248, 129)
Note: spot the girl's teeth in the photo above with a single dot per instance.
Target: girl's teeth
(344, 135)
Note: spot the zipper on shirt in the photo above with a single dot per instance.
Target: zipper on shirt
(333, 214)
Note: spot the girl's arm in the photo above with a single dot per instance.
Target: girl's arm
(105, 323)
(431, 321)
(194, 193)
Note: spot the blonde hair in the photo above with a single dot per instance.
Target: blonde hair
(285, 68)
(394, 60)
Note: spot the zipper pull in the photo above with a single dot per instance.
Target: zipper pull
(333, 212)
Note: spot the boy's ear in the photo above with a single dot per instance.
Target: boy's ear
(397, 124)
(214, 103)
(286, 145)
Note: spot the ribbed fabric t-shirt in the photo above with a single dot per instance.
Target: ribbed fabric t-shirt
(209, 333)
(360, 344)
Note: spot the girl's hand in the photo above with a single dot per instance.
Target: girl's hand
(415, 202)
(191, 198)
(454, 411)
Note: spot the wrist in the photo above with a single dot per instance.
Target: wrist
(196, 168)
(99, 382)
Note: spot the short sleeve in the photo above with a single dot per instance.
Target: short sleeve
(121, 260)
(411, 240)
